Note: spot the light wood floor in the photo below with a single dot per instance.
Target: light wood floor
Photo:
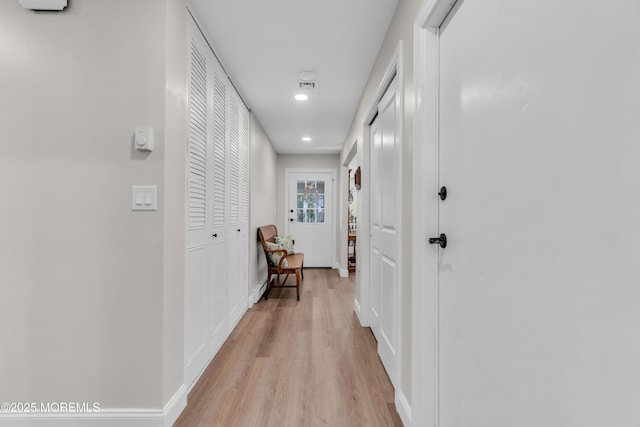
(296, 364)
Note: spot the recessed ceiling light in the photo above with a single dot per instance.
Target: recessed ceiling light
(306, 138)
(301, 97)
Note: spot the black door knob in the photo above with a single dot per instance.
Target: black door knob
(441, 240)
(290, 219)
(443, 193)
(215, 235)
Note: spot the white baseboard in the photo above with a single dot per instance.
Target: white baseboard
(105, 417)
(111, 418)
(258, 290)
(342, 271)
(403, 408)
(359, 314)
(234, 318)
(175, 406)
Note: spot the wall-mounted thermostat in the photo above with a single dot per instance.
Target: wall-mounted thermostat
(43, 4)
(144, 139)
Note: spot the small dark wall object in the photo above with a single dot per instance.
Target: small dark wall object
(443, 193)
(440, 240)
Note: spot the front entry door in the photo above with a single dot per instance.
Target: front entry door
(539, 284)
(309, 216)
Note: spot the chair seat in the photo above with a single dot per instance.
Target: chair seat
(294, 262)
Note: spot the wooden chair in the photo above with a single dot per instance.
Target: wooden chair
(294, 262)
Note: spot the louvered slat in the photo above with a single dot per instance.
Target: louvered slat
(219, 151)
(244, 169)
(233, 162)
(197, 153)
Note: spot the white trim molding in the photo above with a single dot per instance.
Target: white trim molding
(425, 365)
(258, 291)
(343, 272)
(175, 406)
(394, 68)
(358, 311)
(104, 418)
(403, 407)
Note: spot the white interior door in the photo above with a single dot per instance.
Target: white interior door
(539, 150)
(375, 281)
(385, 226)
(309, 215)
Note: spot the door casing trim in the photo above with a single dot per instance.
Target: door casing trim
(425, 310)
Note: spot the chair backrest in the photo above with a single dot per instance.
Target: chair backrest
(267, 233)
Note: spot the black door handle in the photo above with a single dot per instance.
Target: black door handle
(290, 219)
(443, 193)
(442, 240)
(215, 235)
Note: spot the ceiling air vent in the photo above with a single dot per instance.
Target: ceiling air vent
(307, 85)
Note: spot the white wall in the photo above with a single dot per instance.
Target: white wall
(91, 306)
(401, 28)
(174, 196)
(263, 198)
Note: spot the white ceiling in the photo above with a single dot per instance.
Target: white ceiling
(264, 44)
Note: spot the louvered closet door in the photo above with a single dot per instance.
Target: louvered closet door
(238, 172)
(220, 240)
(243, 202)
(205, 273)
(198, 238)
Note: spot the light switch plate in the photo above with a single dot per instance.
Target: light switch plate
(144, 198)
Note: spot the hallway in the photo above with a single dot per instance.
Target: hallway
(291, 364)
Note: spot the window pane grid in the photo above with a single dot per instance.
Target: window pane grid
(310, 201)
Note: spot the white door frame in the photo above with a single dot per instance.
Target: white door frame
(363, 306)
(334, 228)
(425, 333)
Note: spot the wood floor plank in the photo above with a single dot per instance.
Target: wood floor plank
(292, 363)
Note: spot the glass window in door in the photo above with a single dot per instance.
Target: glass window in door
(310, 201)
